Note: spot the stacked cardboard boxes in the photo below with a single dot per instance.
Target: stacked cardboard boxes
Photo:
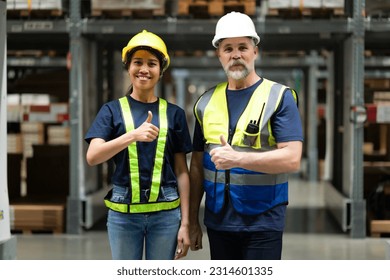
(37, 217)
(58, 135)
(123, 8)
(38, 156)
(14, 143)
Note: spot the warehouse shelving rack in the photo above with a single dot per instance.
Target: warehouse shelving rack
(344, 37)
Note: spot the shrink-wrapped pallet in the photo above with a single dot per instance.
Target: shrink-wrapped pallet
(127, 7)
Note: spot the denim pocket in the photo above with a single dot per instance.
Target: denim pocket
(169, 194)
(120, 194)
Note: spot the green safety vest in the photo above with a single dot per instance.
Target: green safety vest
(153, 205)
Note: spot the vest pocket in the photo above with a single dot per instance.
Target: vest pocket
(249, 139)
(252, 200)
(214, 196)
(253, 193)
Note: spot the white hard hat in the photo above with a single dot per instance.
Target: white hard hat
(235, 24)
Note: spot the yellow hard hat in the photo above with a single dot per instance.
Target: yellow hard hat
(149, 41)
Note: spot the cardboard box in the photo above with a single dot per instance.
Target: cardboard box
(14, 143)
(58, 134)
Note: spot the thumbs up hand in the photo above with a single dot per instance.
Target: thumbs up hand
(223, 157)
(223, 141)
(147, 132)
(149, 118)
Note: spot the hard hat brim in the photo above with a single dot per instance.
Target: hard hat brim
(160, 56)
(216, 41)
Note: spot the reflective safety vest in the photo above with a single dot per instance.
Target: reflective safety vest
(250, 192)
(153, 205)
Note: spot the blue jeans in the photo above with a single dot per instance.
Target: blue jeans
(258, 245)
(130, 233)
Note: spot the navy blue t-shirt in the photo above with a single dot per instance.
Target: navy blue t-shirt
(109, 125)
(286, 126)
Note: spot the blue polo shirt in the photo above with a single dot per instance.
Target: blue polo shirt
(108, 125)
(286, 126)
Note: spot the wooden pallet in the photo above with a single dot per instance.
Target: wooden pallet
(379, 227)
(30, 231)
(37, 14)
(214, 8)
(29, 218)
(294, 13)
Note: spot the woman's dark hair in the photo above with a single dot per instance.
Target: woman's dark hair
(156, 53)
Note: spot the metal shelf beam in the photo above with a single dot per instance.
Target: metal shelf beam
(37, 26)
(39, 62)
(176, 26)
(192, 26)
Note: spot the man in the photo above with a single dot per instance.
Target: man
(247, 138)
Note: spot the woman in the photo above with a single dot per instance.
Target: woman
(148, 139)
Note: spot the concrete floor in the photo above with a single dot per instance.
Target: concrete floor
(311, 234)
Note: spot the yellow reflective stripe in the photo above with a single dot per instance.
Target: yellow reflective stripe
(196, 113)
(160, 150)
(252, 112)
(142, 207)
(154, 207)
(133, 154)
(215, 125)
(118, 207)
(132, 150)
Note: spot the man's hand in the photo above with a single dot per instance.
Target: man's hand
(224, 157)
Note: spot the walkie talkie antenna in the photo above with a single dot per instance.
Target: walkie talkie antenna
(261, 113)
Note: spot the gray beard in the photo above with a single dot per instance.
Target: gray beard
(237, 75)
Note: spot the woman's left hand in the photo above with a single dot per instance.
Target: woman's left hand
(183, 242)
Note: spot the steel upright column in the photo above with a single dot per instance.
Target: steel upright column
(358, 207)
(354, 117)
(74, 209)
(312, 146)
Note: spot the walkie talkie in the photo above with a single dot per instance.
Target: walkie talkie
(252, 130)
